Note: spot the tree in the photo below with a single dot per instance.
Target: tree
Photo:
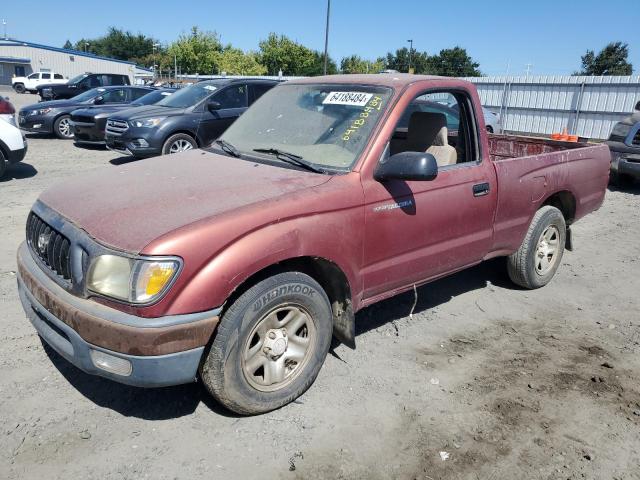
(454, 62)
(400, 61)
(197, 52)
(68, 45)
(281, 53)
(356, 64)
(612, 60)
(234, 61)
(117, 43)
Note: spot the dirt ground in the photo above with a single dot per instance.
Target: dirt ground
(509, 383)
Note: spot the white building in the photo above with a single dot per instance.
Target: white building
(22, 58)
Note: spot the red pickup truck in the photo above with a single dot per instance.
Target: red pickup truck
(236, 264)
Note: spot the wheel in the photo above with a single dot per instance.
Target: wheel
(62, 127)
(3, 165)
(180, 142)
(270, 344)
(618, 180)
(489, 129)
(535, 263)
(19, 88)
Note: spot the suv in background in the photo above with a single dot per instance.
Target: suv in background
(13, 145)
(624, 143)
(81, 83)
(31, 82)
(192, 117)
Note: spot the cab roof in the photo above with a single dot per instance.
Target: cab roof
(393, 80)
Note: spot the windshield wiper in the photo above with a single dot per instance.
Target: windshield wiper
(289, 158)
(228, 148)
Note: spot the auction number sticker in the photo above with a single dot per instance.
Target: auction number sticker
(374, 103)
(355, 99)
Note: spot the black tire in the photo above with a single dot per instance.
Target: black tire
(489, 129)
(618, 180)
(3, 165)
(178, 138)
(525, 265)
(62, 129)
(19, 88)
(223, 369)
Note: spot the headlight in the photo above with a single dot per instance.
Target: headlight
(40, 111)
(147, 122)
(131, 280)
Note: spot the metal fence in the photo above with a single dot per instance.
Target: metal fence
(586, 106)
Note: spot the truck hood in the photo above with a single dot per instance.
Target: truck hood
(128, 207)
(149, 111)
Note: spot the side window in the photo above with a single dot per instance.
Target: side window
(58, 76)
(113, 80)
(33, 76)
(46, 76)
(117, 95)
(259, 89)
(234, 96)
(440, 123)
(136, 93)
(92, 82)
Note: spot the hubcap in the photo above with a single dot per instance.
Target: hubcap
(180, 146)
(65, 128)
(278, 348)
(547, 250)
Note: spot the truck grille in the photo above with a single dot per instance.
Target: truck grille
(116, 127)
(49, 245)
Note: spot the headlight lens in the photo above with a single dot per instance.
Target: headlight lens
(39, 111)
(147, 122)
(131, 280)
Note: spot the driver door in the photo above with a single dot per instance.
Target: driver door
(233, 101)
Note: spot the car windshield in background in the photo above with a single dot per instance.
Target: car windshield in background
(151, 98)
(189, 96)
(77, 78)
(326, 125)
(88, 95)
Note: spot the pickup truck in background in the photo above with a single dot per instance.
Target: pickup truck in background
(79, 84)
(624, 143)
(236, 264)
(31, 82)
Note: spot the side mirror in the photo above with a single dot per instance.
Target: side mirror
(407, 166)
(98, 100)
(212, 105)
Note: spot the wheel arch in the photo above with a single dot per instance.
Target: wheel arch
(184, 131)
(565, 201)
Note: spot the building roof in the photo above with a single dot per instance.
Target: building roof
(12, 42)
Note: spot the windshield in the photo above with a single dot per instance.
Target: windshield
(327, 125)
(77, 78)
(189, 96)
(151, 98)
(88, 95)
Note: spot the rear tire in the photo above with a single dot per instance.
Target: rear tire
(535, 263)
(269, 345)
(19, 88)
(3, 165)
(180, 142)
(62, 127)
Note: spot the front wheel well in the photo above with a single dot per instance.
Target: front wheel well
(184, 132)
(565, 202)
(332, 280)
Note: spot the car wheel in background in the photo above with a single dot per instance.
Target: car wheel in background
(62, 127)
(489, 129)
(3, 164)
(270, 344)
(535, 263)
(19, 88)
(180, 142)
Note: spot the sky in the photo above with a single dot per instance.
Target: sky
(548, 36)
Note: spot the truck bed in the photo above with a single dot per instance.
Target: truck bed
(512, 146)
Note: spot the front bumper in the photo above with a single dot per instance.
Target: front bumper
(138, 142)
(35, 123)
(624, 163)
(15, 156)
(160, 351)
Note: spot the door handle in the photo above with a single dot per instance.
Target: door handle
(481, 189)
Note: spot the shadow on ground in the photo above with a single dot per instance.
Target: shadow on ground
(19, 171)
(123, 160)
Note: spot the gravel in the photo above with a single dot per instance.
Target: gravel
(517, 402)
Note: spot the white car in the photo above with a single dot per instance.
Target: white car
(492, 121)
(13, 144)
(31, 82)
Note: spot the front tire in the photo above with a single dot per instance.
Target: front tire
(535, 263)
(19, 88)
(62, 127)
(3, 165)
(180, 142)
(270, 344)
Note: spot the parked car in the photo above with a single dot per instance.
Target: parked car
(31, 82)
(236, 264)
(79, 84)
(89, 123)
(13, 145)
(492, 121)
(192, 117)
(54, 116)
(624, 143)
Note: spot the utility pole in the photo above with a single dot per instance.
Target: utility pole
(528, 65)
(86, 44)
(4, 24)
(175, 66)
(326, 38)
(155, 60)
(410, 52)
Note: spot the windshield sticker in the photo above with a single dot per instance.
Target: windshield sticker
(355, 99)
(210, 87)
(373, 106)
